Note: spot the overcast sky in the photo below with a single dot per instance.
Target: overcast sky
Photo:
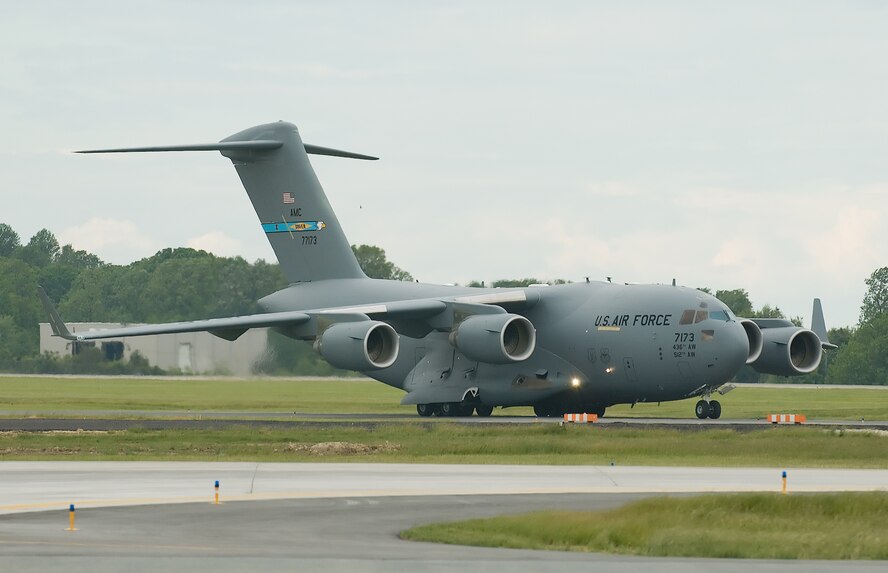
(724, 144)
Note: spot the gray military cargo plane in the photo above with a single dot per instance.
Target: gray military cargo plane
(454, 350)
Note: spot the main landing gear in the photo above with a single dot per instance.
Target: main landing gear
(453, 409)
(711, 409)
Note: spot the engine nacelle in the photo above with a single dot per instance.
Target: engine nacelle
(362, 346)
(754, 334)
(495, 338)
(789, 351)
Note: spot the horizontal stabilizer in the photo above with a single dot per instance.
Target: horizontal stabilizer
(254, 145)
(318, 150)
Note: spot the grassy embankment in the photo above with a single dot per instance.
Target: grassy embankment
(764, 526)
(48, 396)
(781, 447)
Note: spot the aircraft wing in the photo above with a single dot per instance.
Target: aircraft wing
(411, 317)
(227, 328)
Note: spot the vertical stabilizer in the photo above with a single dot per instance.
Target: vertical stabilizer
(296, 217)
(818, 325)
(293, 210)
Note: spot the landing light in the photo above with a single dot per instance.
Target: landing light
(609, 369)
(575, 382)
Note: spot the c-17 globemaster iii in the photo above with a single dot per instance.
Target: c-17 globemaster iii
(454, 350)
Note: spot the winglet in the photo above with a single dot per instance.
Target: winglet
(55, 321)
(818, 325)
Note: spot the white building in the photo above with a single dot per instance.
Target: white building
(195, 352)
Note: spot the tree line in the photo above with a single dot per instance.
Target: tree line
(186, 284)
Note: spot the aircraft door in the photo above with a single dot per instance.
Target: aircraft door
(419, 358)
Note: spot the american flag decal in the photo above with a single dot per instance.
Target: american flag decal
(289, 199)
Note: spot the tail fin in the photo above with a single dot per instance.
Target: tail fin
(296, 216)
(818, 325)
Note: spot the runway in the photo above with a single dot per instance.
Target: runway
(107, 420)
(340, 517)
(30, 486)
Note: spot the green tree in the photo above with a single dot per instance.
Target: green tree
(376, 266)
(737, 300)
(20, 306)
(864, 359)
(14, 343)
(838, 336)
(767, 311)
(519, 283)
(95, 296)
(285, 355)
(875, 301)
(41, 250)
(57, 280)
(68, 257)
(9, 240)
(514, 283)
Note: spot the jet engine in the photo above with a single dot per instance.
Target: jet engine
(495, 338)
(754, 334)
(362, 346)
(788, 351)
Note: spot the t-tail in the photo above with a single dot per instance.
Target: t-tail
(272, 162)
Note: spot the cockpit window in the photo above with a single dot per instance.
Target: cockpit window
(719, 315)
(701, 316)
(687, 317)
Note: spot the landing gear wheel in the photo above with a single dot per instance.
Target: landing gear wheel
(702, 409)
(599, 411)
(715, 409)
(464, 410)
(447, 409)
(484, 411)
(425, 410)
(542, 412)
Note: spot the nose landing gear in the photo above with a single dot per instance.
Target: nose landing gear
(708, 409)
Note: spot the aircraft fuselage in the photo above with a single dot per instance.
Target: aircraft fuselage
(597, 344)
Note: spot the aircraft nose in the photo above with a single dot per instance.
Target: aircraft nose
(733, 349)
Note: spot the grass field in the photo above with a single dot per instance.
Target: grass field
(777, 447)
(765, 526)
(425, 442)
(366, 396)
(251, 395)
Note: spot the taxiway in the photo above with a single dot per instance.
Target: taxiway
(342, 517)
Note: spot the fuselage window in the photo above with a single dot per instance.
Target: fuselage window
(687, 317)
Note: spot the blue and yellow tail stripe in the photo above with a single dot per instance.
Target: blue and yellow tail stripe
(296, 227)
